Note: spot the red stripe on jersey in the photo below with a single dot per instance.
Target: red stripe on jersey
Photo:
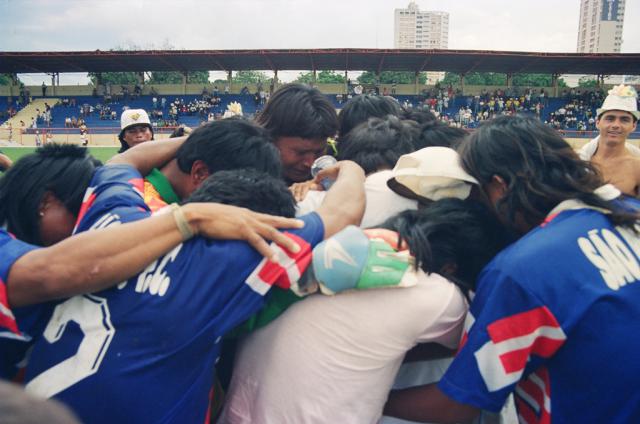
(526, 414)
(85, 207)
(533, 396)
(275, 274)
(516, 360)
(6, 321)
(521, 324)
(137, 183)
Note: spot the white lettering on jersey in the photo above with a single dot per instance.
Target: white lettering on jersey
(154, 279)
(617, 263)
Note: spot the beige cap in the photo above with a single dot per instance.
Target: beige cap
(621, 97)
(133, 117)
(431, 173)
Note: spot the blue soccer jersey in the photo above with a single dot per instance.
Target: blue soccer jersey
(555, 321)
(14, 339)
(144, 351)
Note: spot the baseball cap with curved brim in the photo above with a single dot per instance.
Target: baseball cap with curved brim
(432, 173)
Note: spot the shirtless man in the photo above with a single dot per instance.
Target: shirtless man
(617, 119)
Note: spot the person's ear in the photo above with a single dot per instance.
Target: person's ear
(199, 172)
(48, 199)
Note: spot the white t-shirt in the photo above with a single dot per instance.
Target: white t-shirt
(382, 202)
(333, 359)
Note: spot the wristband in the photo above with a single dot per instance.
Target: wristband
(181, 222)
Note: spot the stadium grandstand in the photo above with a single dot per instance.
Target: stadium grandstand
(29, 117)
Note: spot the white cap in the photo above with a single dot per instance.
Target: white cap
(621, 97)
(133, 117)
(431, 173)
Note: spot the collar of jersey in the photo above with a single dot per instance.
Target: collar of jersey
(162, 184)
(606, 192)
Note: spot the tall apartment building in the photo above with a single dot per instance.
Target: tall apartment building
(600, 28)
(416, 29)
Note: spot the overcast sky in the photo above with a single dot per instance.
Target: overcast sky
(517, 25)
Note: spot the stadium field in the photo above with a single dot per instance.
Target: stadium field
(101, 153)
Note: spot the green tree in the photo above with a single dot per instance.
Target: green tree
(498, 79)
(391, 77)
(322, 77)
(536, 80)
(114, 78)
(5, 79)
(172, 77)
(250, 77)
(587, 82)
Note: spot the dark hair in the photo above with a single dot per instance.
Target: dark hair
(230, 143)
(438, 134)
(376, 144)
(539, 167)
(247, 188)
(298, 110)
(462, 233)
(178, 132)
(64, 169)
(360, 108)
(419, 114)
(123, 144)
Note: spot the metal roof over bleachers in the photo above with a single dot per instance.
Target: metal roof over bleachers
(378, 60)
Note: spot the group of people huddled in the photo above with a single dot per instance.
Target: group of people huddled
(234, 275)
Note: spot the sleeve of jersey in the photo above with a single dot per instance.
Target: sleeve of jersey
(508, 334)
(251, 297)
(115, 191)
(12, 250)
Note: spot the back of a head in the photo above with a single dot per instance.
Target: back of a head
(299, 110)
(439, 134)
(451, 231)
(231, 143)
(64, 169)
(376, 144)
(247, 188)
(360, 108)
(420, 114)
(539, 168)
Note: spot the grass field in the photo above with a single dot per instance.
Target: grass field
(101, 153)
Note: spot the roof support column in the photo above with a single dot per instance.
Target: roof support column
(600, 80)
(184, 82)
(554, 84)
(509, 80)
(346, 82)
(314, 77)
(229, 80)
(417, 82)
(140, 77)
(462, 83)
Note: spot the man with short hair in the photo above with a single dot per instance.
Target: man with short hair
(300, 119)
(227, 144)
(616, 159)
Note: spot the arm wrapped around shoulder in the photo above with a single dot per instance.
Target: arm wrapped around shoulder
(356, 259)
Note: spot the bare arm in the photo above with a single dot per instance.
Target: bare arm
(146, 156)
(427, 404)
(95, 260)
(5, 162)
(344, 203)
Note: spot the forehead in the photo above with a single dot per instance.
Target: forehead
(301, 144)
(616, 114)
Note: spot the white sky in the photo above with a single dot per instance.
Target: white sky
(518, 25)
